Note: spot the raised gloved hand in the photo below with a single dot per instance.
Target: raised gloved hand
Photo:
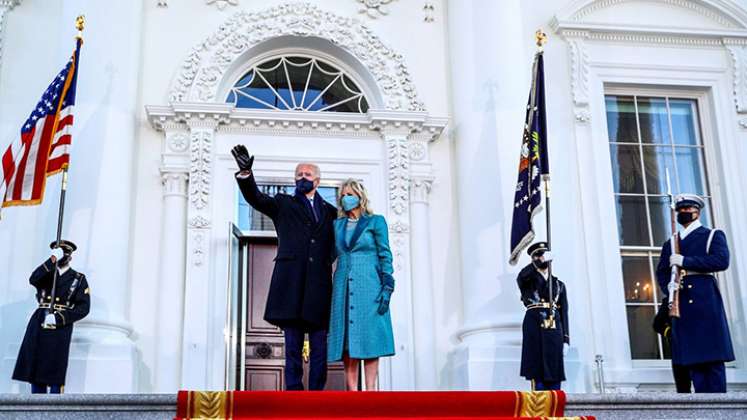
(548, 256)
(242, 157)
(57, 254)
(676, 259)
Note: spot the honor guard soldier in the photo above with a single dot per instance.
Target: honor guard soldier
(700, 337)
(545, 328)
(63, 299)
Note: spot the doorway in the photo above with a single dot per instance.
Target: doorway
(256, 361)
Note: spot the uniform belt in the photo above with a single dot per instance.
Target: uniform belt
(684, 273)
(56, 307)
(545, 305)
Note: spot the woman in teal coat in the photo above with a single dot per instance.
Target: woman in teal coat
(360, 327)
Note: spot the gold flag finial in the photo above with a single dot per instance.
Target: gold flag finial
(541, 38)
(80, 23)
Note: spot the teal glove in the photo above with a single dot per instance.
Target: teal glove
(387, 287)
(384, 296)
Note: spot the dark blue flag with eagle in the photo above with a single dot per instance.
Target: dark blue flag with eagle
(533, 163)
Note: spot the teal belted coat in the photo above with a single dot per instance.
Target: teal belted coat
(356, 287)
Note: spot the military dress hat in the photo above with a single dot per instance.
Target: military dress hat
(537, 247)
(66, 246)
(688, 200)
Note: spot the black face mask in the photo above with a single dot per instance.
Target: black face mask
(303, 186)
(541, 264)
(685, 218)
(65, 260)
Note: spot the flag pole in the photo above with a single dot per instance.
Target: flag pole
(79, 25)
(540, 40)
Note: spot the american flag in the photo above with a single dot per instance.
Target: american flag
(42, 149)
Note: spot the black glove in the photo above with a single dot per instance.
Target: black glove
(242, 157)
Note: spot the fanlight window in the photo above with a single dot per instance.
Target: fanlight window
(299, 84)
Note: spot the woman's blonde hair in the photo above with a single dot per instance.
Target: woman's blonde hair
(360, 191)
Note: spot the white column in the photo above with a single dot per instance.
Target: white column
(171, 281)
(5, 7)
(397, 373)
(490, 53)
(103, 356)
(196, 350)
(422, 285)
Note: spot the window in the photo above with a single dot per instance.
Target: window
(251, 220)
(297, 83)
(648, 135)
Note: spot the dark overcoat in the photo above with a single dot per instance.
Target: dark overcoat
(44, 352)
(301, 285)
(542, 348)
(701, 333)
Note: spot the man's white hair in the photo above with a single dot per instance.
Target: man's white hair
(313, 166)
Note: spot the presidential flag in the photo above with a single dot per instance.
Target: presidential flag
(533, 163)
(42, 149)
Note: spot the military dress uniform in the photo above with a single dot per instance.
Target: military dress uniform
(542, 348)
(700, 336)
(43, 357)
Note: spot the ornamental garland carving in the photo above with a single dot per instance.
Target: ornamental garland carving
(207, 63)
(579, 71)
(398, 158)
(739, 62)
(199, 168)
(222, 3)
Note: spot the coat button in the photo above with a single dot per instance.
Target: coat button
(313, 241)
(690, 301)
(351, 293)
(351, 307)
(311, 259)
(689, 286)
(351, 321)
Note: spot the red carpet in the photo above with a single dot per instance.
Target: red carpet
(241, 405)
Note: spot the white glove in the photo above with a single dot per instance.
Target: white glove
(676, 259)
(50, 319)
(566, 349)
(548, 256)
(57, 253)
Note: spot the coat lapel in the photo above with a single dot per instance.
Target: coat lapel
(362, 223)
(340, 232)
(303, 207)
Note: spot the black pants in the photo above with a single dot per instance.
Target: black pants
(708, 377)
(682, 380)
(294, 338)
(44, 389)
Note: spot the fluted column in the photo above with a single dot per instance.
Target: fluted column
(171, 280)
(489, 98)
(422, 285)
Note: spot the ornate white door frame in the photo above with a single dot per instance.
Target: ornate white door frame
(187, 356)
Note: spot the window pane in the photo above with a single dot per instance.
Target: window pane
(661, 216)
(621, 124)
(656, 160)
(626, 169)
(652, 115)
(631, 217)
(683, 126)
(643, 341)
(689, 167)
(637, 279)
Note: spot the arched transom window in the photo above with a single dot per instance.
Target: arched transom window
(297, 83)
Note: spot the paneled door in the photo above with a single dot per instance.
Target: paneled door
(263, 355)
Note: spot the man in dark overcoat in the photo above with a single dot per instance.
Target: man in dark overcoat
(300, 292)
(544, 342)
(42, 360)
(700, 337)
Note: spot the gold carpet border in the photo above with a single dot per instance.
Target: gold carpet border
(210, 405)
(535, 403)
